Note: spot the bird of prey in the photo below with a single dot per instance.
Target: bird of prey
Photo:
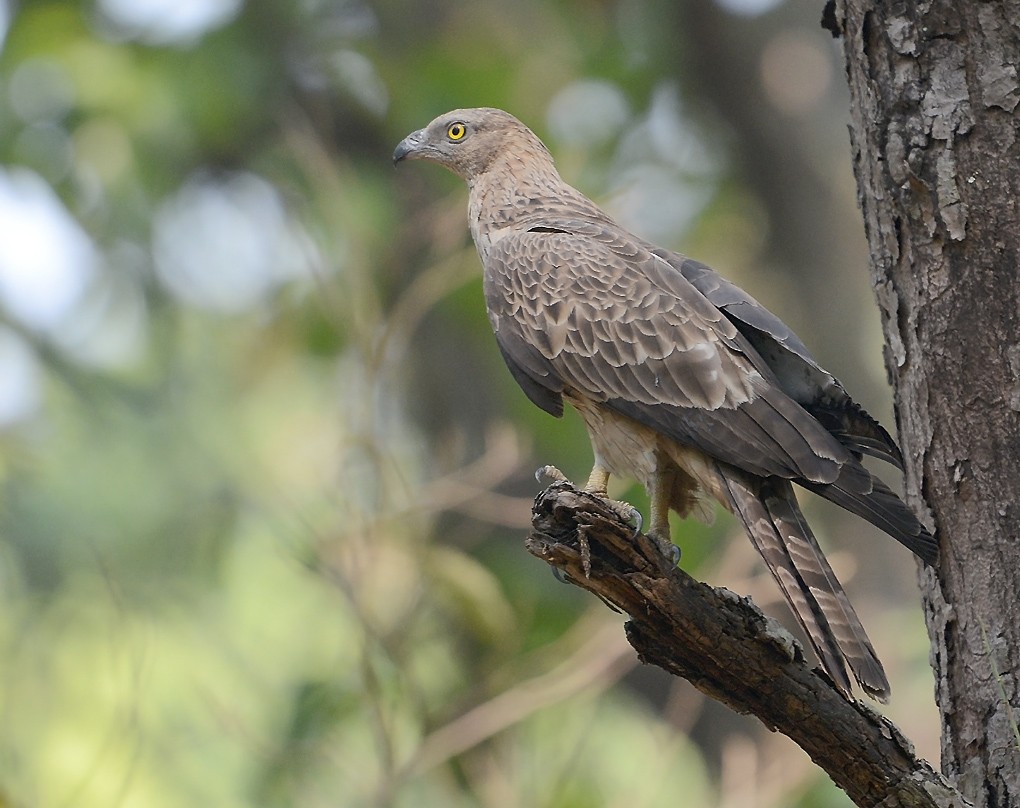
(684, 382)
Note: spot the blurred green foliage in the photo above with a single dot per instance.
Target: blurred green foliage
(264, 479)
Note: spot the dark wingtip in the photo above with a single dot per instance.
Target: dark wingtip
(927, 548)
(862, 493)
(856, 429)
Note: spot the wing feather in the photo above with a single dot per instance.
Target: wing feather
(796, 371)
(653, 347)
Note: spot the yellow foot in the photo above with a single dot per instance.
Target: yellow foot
(550, 473)
(596, 486)
(627, 512)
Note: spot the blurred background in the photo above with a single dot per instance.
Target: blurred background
(265, 480)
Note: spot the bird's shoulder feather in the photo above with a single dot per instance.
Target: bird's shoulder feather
(594, 311)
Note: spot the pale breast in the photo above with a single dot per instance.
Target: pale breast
(622, 446)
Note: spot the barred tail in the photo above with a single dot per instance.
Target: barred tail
(777, 528)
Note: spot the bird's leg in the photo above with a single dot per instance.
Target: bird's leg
(598, 481)
(659, 493)
(598, 484)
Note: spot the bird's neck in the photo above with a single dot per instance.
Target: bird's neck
(519, 191)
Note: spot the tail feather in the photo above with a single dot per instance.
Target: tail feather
(777, 528)
(877, 503)
(818, 575)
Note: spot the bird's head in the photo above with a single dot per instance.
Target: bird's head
(467, 141)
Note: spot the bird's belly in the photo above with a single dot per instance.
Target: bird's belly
(626, 448)
(622, 446)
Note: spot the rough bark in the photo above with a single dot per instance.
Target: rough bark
(729, 650)
(935, 141)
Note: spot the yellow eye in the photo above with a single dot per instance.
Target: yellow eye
(456, 131)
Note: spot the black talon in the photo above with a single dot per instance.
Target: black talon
(666, 547)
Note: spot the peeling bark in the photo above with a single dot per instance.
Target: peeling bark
(936, 145)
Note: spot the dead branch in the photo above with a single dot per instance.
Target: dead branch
(728, 649)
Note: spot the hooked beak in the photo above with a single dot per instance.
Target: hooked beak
(407, 149)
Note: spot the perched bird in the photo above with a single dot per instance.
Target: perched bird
(684, 382)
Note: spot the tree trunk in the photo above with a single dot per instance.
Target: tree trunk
(935, 139)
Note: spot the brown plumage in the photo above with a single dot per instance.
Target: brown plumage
(684, 381)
